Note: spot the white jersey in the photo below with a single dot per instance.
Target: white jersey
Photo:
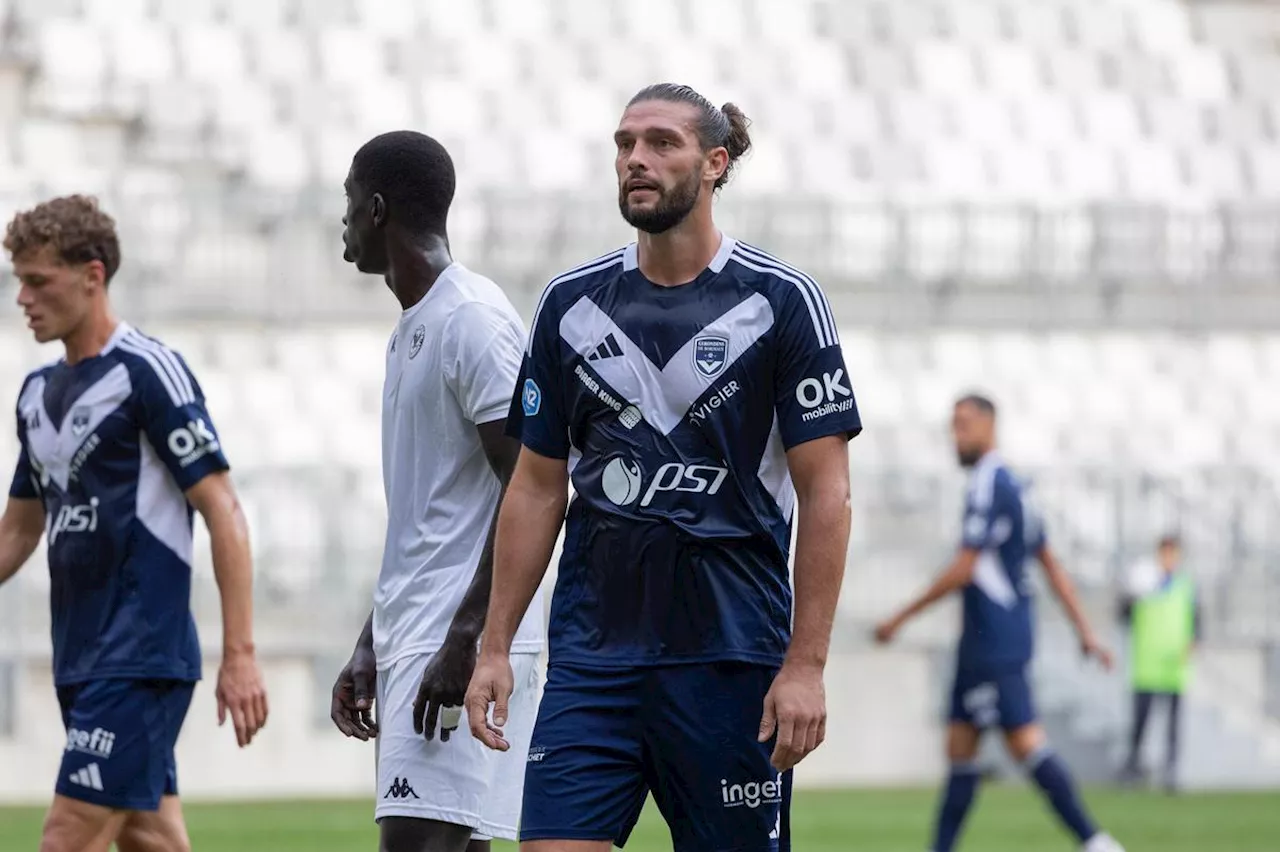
(451, 364)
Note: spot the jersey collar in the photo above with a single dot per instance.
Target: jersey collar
(445, 275)
(982, 471)
(122, 328)
(631, 255)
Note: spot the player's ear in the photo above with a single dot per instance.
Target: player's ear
(715, 163)
(95, 274)
(378, 210)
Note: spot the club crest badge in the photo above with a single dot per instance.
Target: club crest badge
(79, 421)
(710, 354)
(415, 346)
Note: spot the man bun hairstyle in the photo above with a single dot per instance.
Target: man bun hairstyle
(413, 173)
(738, 141)
(724, 127)
(77, 228)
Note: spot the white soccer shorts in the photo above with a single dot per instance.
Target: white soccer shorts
(460, 781)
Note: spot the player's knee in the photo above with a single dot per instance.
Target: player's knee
(152, 838)
(403, 834)
(77, 828)
(962, 743)
(1026, 741)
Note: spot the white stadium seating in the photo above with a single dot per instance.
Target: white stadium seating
(908, 148)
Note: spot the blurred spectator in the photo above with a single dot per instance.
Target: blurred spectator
(1163, 616)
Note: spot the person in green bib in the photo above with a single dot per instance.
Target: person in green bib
(1164, 626)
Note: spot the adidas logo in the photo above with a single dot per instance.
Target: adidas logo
(608, 349)
(89, 777)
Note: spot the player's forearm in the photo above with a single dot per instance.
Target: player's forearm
(1065, 591)
(528, 523)
(16, 547)
(822, 542)
(957, 575)
(21, 526)
(366, 634)
(233, 570)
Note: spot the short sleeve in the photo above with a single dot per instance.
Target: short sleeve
(174, 418)
(483, 350)
(979, 521)
(537, 416)
(814, 396)
(24, 486)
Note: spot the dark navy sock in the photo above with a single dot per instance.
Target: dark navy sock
(1054, 779)
(962, 786)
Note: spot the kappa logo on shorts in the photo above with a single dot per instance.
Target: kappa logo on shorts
(400, 789)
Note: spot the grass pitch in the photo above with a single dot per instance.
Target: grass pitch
(1005, 819)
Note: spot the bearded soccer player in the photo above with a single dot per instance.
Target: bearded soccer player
(693, 389)
(991, 687)
(450, 365)
(117, 448)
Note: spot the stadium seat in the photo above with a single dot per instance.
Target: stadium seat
(211, 53)
(1200, 75)
(279, 54)
(921, 152)
(1165, 26)
(1010, 69)
(141, 51)
(1152, 173)
(945, 67)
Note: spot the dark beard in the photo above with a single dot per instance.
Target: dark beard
(672, 207)
(968, 459)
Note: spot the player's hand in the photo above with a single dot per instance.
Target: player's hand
(1091, 647)
(886, 630)
(352, 706)
(796, 708)
(492, 683)
(241, 695)
(443, 688)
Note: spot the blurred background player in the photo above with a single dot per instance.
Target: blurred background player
(1001, 533)
(450, 367)
(116, 447)
(692, 379)
(1164, 621)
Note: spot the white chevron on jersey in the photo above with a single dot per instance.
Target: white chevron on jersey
(663, 395)
(52, 449)
(613, 258)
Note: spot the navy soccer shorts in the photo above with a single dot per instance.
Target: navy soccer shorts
(120, 740)
(988, 699)
(687, 734)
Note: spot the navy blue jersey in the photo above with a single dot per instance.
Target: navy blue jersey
(109, 445)
(675, 407)
(1006, 532)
